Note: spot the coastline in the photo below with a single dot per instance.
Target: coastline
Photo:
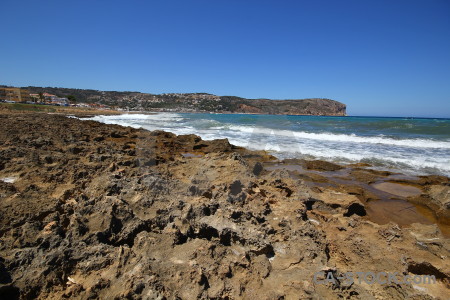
(180, 216)
(409, 147)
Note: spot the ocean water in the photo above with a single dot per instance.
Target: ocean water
(410, 146)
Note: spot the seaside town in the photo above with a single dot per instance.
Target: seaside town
(23, 96)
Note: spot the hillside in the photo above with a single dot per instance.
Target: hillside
(198, 102)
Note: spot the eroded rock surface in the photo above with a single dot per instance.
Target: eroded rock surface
(102, 211)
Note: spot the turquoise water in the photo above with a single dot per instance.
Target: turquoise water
(412, 146)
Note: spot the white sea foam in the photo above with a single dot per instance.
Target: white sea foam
(163, 117)
(147, 121)
(370, 156)
(417, 143)
(422, 155)
(290, 148)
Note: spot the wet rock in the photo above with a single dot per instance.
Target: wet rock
(321, 165)
(188, 139)
(440, 198)
(331, 200)
(367, 175)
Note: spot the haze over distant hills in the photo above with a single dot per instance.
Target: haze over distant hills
(198, 102)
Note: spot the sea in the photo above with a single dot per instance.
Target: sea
(416, 146)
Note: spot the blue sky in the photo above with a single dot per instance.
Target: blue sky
(385, 58)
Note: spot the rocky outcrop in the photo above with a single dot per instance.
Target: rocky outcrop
(315, 107)
(90, 210)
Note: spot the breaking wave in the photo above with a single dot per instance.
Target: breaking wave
(291, 138)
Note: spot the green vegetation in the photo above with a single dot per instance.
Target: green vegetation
(72, 98)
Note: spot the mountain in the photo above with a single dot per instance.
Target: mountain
(199, 102)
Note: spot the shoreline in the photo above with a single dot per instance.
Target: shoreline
(424, 162)
(181, 216)
(112, 111)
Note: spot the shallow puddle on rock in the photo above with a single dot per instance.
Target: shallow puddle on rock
(403, 213)
(392, 206)
(402, 177)
(298, 169)
(399, 211)
(425, 211)
(396, 189)
(283, 166)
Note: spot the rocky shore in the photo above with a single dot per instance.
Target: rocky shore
(90, 210)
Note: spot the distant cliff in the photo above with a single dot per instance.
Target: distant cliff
(315, 106)
(198, 102)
